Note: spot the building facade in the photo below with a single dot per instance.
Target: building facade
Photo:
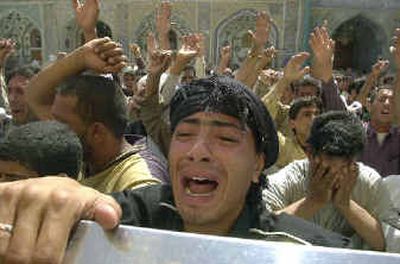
(362, 28)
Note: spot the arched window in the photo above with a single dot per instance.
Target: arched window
(25, 33)
(36, 45)
(173, 39)
(359, 44)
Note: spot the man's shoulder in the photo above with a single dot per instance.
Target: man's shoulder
(142, 206)
(368, 174)
(152, 194)
(301, 230)
(140, 160)
(295, 171)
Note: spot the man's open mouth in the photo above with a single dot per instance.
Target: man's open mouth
(200, 186)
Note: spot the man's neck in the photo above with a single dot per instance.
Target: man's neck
(101, 158)
(221, 228)
(208, 230)
(380, 127)
(301, 140)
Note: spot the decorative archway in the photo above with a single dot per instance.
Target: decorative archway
(26, 34)
(234, 31)
(178, 28)
(359, 43)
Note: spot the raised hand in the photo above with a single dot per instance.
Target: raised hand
(188, 51)
(135, 49)
(7, 47)
(200, 39)
(348, 179)
(151, 43)
(379, 67)
(103, 55)
(323, 48)
(294, 69)
(266, 57)
(322, 181)
(260, 37)
(395, 48)
(86, 16)
(163, 24)
(395, 51)
(159, 62)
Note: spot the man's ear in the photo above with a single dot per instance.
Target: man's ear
(97, 132)
(258, 167)
(291, 124)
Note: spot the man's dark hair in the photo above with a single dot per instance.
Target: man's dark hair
(221, 94)
(26, 71)
(307, 81)
(100, 99)
(302, 102)
(46, 147)
(337, 133)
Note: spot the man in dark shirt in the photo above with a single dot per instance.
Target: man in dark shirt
(382, 148)
(223, 138)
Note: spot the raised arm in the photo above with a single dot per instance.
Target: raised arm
(395, 50)
(86, 16)
(152, 112)
(187, 52)
(264, 60)
(200, 60)
(323, 48)
(259, 38)
(377, 69)
(224, 59)
(163, 24)
(137, 55)
(293, 71)
(159, 62)
(99, 55)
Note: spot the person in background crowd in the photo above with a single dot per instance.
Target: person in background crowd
(382, 150)
(17, 86)
(38, 149)
(331, 189)
(302, 112)
(95, 108)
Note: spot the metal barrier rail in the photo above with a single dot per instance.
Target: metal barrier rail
(90, 244)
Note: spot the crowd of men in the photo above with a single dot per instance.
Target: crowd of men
(166, 141)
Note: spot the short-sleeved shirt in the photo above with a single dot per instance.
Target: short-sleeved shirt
(133, 169)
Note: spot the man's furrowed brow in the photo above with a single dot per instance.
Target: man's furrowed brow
(215, 123)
